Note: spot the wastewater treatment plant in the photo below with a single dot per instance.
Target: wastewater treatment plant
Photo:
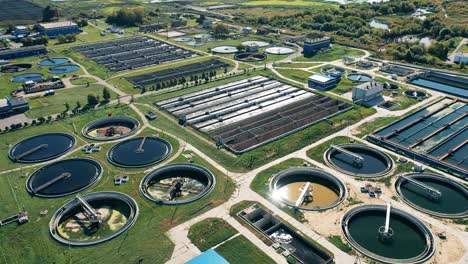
(233, 132)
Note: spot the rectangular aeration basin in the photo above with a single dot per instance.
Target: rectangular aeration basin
(249, 113)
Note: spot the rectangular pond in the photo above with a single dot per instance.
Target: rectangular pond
(278, 232)
(436, 135)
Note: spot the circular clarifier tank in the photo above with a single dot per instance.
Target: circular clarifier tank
(250, 56)
(64, 177)
(358, 160)
(433, 194)
(53, 61)
(64, 69)
(108, 215)
(177, 184)
(359, 77)
(279, 50)
(410, 241)
(415, 94)
(225, 50)
(22, 78)
(139, 152)
(110, 128)
(307, 189)
(42, 148)
(19, 67)
(257, 43)
(183, 39)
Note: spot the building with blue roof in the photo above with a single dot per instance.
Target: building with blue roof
(208, 257)
(322, 81)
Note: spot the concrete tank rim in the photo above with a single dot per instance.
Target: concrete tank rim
(421, 258)
(113, 162)
(150, 175)
(53, 223)
(388, 158)
(316, 173)
(400, 180)
(71, 137)
(109, 119)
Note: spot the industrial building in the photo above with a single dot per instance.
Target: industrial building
(22, 52)
(21, 31)
(53, 30)
(321, 81)
(368, 93)
(13, 106)
(314, 45)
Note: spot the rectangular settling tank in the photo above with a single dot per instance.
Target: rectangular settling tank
(249, 113)
(436, 135)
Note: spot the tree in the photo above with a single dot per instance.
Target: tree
(220, 31)
(67, 107)
(92, 99)
(106, 94)
(127, 17)
(49, 14)
(82, 22)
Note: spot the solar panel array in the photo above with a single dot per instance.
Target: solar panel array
(133, 53)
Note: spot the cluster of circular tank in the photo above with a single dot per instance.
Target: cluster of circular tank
(56, 66)
(101, 216)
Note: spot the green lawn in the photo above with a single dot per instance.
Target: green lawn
(295, 74)
(296, 65)
(335, 53)
(239, 250)
(210, 232)
(83, 81)
(338, 242)
(373, 125)
(54, 104)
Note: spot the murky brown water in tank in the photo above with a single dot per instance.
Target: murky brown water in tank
(322, 194)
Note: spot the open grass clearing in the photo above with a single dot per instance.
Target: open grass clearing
(240, 250)
(210, 232)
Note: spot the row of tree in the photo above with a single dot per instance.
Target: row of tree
(29, 41)
(128, 17)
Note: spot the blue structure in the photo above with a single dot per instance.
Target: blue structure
(13, 106)
(442, 82)
(53, 30)
(312, 46)
(461, 57)
(208, 257)
(10, 54)
(322, 81)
